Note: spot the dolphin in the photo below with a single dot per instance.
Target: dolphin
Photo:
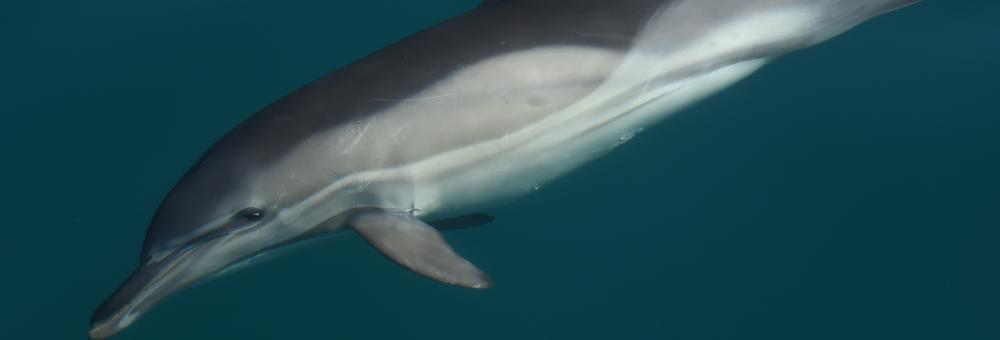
(452, 121)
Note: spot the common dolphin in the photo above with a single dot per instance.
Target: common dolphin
(454, 120)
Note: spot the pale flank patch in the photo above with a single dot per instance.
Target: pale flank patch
(532, 115)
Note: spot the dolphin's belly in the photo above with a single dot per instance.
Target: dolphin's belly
(483, 175)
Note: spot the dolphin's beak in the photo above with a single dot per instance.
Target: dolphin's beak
(148, 285)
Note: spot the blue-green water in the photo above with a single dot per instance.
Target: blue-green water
(850, 191)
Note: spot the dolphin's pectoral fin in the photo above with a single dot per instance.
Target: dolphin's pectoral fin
(462, 222)
(418, 247)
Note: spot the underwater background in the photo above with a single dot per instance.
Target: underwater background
(848, 191)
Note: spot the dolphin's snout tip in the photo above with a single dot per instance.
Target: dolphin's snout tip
(100, 331)
(106, 327)
(101, 322)
(486, 284)
(115, 313)
(480, 281)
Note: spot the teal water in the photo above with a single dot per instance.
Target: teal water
(849, 191)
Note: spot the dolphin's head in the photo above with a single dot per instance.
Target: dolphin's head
(226, 209)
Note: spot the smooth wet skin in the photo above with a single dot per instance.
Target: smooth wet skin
(454, 120)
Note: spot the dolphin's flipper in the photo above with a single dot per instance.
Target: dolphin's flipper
(462, 222)
(419, 247)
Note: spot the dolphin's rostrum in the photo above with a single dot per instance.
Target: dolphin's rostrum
(452, 121)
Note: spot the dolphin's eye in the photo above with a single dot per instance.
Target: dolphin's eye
(250, 214)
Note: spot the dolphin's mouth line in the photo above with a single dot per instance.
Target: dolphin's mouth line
(176, 258)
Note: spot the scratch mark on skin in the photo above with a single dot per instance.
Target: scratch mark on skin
(357, 139)
(645, 88)
(394, 133)
(415, 99)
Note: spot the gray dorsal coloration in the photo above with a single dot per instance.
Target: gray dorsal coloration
(452, 121)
